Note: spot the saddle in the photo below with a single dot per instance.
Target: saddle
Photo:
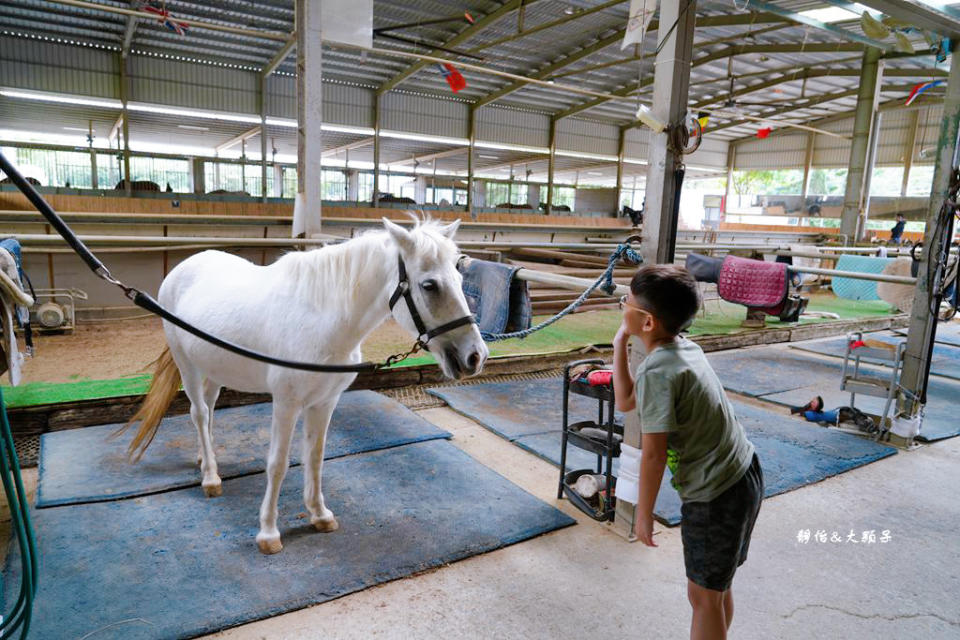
(753, 283)
(760, 286)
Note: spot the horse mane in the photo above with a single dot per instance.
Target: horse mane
(335, 275)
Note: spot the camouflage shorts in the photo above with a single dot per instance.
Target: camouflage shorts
(716, 534)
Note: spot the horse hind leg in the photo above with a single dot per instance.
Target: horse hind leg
(281, 430)
(316, 419)
(211, 391)
(201, 413)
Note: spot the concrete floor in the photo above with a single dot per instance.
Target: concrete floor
(585, 580)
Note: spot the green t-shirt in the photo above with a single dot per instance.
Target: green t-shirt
(679, 393)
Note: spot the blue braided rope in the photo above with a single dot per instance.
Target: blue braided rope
(604, 282)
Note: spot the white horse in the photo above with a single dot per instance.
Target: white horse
(315, 306)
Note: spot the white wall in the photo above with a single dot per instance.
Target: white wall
(595, 201)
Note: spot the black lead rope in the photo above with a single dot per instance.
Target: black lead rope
(145, 301)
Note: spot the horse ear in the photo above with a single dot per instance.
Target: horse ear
(400, 235)
(450, 230)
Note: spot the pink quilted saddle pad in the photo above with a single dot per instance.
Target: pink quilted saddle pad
(753, 283)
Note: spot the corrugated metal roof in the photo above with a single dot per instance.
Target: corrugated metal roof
(523, 55)
(606, 69)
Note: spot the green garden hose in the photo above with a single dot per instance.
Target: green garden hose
(19, 617)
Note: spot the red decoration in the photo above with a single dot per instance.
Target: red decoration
(469, 18)
(763, 133)
(454, 78)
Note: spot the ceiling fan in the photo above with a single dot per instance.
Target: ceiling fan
(733, 104)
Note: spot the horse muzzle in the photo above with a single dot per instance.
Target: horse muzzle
(464, 365)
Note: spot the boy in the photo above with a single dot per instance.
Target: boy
(681, 403)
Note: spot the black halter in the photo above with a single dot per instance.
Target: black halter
(403, 290)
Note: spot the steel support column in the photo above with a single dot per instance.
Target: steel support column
(868, 173)
(621, 147)
(197, 175)
(376, 151)
(125, 127)
(94, 179)
(868, 98)
(472, 136)
(671, 84)
(263, 137)
(808, 165)
(731, 162)
(923, 319)
(277, 181)
(551, 161)
(307, 208)
(908, 150)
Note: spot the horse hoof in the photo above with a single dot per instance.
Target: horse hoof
(326, 525)
(213, 490)
(269, 546)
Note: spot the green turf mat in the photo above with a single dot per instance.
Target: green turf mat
(724, 318)
(36, 393)
(571, 332)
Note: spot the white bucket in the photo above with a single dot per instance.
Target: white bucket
(907, 426)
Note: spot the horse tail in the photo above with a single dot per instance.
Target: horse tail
(163, 389)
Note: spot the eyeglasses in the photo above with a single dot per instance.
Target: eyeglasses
(623, 303)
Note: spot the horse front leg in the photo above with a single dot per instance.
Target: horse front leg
(316, 420)
(281, 430)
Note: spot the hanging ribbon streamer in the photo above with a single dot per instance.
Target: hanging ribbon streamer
(164, 18)
(919, 89)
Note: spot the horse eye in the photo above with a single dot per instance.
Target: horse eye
(429, 285)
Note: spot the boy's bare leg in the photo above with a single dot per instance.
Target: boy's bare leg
(728, 606)
(709, 621)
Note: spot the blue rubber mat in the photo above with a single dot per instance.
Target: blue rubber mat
(947, 333)
(82, 465)
(178, 565)
(790, 378)
(940, 416)
(765, 370)
(945, 361)
(792, 452)
(516, 401)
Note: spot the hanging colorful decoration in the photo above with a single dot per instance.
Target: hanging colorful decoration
(164, 18)
(704, 118)
(454, 78)
(468, 17)
(764, 132)
(919, 89)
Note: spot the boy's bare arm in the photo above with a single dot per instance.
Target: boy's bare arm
(623, 385)
(652, 461)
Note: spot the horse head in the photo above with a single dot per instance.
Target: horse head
(429, 257)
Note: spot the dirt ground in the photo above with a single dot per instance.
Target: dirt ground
(119, 348)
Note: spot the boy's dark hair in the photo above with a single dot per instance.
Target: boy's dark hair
(669, 292)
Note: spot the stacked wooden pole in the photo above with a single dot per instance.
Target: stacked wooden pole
(548, 299)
